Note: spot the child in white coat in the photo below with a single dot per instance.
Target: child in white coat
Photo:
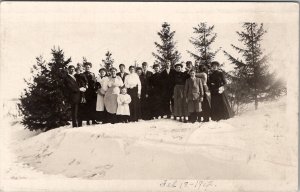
(123, 111)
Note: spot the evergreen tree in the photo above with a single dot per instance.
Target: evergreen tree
(108, 61)
(202, 43)
(43, 104)
(167, 50)
(252, 78)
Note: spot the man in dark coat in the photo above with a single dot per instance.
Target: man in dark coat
(73, 95)
(82, 82)
(220, 108)
(145, 75)
(167, 79)
(122, 72)
(91, 95)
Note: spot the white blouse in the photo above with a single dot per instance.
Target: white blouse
(115, 84)
(103, 82)
(132, 80)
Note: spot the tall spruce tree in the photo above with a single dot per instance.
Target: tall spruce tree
(166, 51)
(205, 37)
(43, 103)
(252, 78)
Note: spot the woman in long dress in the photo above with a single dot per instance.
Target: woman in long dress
(133, 84)
(205, 113)
(155, 87)
(110, 99)
(179, 99)
(220, 108)
(101, 85)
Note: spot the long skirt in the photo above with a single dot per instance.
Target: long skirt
(194, 106)
(180, 108)
(145, 108)
(206, 107)
(220, 108)
(100, 103)
(155, 104)
(134, 105)
(110, 100)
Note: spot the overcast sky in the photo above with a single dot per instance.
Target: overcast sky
(129, 30)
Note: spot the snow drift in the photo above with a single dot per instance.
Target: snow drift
(256, 145)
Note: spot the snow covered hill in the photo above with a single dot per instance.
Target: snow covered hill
(256, 145)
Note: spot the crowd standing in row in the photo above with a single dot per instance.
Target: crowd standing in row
(112, 97)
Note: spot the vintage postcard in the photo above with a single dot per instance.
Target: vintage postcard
(149, 96)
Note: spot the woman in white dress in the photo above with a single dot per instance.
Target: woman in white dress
(133, 84)
(101, 83)
(110, 99)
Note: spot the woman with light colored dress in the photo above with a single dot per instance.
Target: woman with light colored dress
(101, 85)
(110, 99)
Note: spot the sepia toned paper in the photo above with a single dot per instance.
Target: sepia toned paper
(129, 30)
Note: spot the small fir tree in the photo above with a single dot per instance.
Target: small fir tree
(108, 61)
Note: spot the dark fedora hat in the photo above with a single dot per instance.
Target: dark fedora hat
(155, 65)
(215, 63)
(178, 64)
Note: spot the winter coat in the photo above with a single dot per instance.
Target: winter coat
(73, 93)
(194, 89)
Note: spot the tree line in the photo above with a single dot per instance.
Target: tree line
(44, 106)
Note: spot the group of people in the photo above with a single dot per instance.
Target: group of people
(194, 94)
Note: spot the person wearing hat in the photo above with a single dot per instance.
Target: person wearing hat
(101, 87)
(194, 95)
(167, 79)
(179, 99)
(110, 99)
(133, 84)
(73, 95)
(220, 108)
(145, 102)
(122, 72)
(91, 96)
(154, 90)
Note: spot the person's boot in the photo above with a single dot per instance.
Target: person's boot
(199, 116)
(206, 119)
(94, 122)
(194, 117)
(88, 122)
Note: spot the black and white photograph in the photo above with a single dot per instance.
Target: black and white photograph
(149, 96)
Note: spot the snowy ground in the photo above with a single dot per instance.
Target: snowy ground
(256, 145)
